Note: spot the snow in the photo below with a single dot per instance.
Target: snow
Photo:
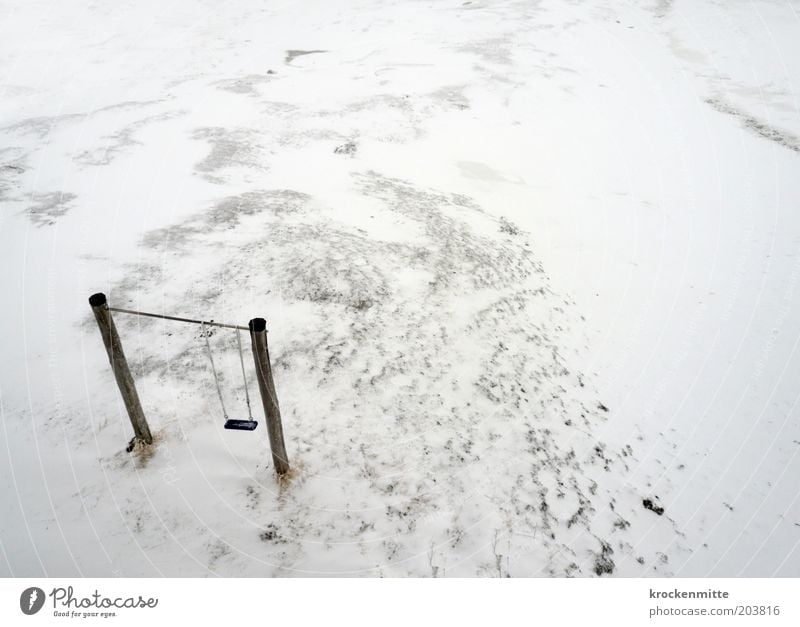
(524, 266)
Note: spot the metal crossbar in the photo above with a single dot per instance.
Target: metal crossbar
(152, 315)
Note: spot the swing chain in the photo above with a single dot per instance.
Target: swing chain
(214, 370)
(244, 376)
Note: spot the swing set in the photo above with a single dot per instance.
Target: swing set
(258, 337)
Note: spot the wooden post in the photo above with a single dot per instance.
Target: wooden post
(120, 367)
(258, 337)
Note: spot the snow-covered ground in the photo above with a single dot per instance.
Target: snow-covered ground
(525, 265)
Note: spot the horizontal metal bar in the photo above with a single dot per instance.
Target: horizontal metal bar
(152, 315)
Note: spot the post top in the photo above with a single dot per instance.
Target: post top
(257, 325)
(96, 300)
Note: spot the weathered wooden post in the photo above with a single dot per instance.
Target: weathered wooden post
(258, 337)
(120, 367)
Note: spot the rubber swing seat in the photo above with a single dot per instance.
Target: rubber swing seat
(240, 425)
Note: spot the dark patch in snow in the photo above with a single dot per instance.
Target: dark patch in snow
(42, 126)
(230, 148)
(648, 504)
(48, 207)
(348, 148)
(508, 227)
(760, 128)
(603, 564)
(225, 215)
(12, 168)
(291, 55)
(271, 533)
(662, 8)
(122, 140)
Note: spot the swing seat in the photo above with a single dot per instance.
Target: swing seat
(240, 425)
